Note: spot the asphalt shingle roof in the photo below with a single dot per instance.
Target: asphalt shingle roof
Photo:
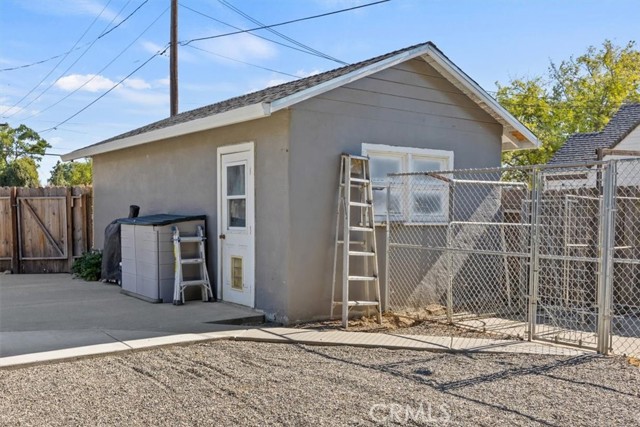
(581, 147)
(269, 94)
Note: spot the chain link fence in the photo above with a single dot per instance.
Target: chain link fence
(549, 253)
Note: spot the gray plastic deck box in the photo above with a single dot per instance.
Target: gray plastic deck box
(147, 254)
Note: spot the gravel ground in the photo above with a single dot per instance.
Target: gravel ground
(240, 383)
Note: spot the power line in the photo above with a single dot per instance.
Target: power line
(42, 61)
(86, 50)
(255, 35)
(243, 62)
(107, 92)
(101, 70)
(322, 15)
(59, 62)
(204, 38)
(289, 39)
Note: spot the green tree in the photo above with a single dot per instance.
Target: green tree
(22, 172)
(21, 150)
(74, 173)
(578, 95)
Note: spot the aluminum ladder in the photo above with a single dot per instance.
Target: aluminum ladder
(355, 216)
(180, 284)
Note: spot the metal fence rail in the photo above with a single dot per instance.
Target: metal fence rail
(545, 252)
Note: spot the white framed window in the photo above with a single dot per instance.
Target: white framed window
(424, 200)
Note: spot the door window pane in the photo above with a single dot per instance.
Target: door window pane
(235, 180)
(237, 212)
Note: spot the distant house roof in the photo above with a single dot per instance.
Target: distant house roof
(581, 147)
(267, 101)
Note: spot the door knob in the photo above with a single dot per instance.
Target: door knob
(222, 236)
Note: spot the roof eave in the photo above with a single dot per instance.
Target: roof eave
(238, 115)
(516, 136)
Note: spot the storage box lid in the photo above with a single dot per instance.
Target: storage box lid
(160, 219)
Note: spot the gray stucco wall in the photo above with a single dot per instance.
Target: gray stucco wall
(408, 105)
(178, 175)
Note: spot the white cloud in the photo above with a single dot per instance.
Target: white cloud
(4, 108)
(162, 82)
(145, 98)
(70, 7)
(243, 47)
(88, 82)
(136, 83)
(133, 90)
(151, 47)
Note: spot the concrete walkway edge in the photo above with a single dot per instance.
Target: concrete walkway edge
(297, 336)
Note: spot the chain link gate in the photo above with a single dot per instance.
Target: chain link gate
(548, 253)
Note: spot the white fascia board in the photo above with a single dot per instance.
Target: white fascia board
(490, 102)
(242, 114)
(360, 73)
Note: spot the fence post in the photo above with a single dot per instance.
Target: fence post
(15, 245)
(536, 197)
(452, 213)
(606, 245)
(385, 306)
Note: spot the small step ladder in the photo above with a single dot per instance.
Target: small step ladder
(180, 284)
(355, 195)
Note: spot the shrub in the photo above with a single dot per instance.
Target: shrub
(88, 266)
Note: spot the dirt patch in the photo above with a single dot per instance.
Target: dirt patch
(634, 361)
(425, 321)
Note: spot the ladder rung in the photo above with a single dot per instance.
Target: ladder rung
(355, 156)
(358, 228)
(363, 303)
(192, 261)
(355, 185)
(358, 303)
(191, 239)
(199, 282)
(361, 253)
(362, 278)
(363, 205)
(360, 180)
(351, 242)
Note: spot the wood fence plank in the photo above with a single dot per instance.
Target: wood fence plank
(15, 255)
(43, 227)
(69, 230)
(39, 226)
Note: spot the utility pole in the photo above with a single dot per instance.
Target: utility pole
(173, 59)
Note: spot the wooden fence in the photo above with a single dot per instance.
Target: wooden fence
(42, 230)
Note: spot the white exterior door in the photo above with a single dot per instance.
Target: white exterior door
(236, 224)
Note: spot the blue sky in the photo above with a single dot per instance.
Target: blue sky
(492, 40)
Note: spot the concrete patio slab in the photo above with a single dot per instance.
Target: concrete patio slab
(301, 336)
(48, 312)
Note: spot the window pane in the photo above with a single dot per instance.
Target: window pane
(427, 204)
(235, 180)
(381, 166)
(425, 164)
(237, 212)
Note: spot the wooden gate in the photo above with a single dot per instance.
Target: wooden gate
(42, 230)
